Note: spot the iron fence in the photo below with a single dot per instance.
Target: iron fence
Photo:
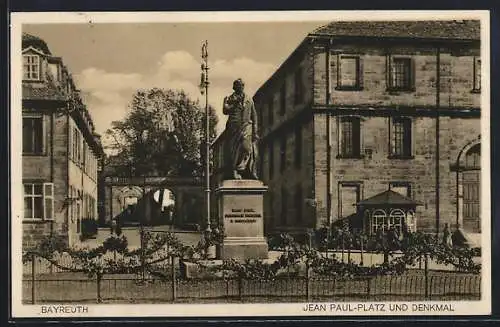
(49, 286)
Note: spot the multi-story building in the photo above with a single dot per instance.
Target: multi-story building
(361, 108)
(61, 149)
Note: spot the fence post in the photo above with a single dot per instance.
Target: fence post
(426, 275)
(308, 282)
(33, 257)
(240, 287)
(99, 299)
(174, 286)
(361, 261)
(343, 248)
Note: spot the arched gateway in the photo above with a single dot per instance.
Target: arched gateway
(153, 201)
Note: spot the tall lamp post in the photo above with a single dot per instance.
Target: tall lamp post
(204, 90)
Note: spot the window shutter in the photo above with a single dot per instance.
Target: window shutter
(48, 200)
(360, 73)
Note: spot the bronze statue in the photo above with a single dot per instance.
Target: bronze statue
(241, 134)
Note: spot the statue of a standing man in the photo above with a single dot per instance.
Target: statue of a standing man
(241, 134)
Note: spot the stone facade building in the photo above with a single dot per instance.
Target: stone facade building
(60, 149)
(360, 108)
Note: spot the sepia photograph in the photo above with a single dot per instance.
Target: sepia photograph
(250, 164)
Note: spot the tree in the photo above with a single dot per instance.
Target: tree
(162, 134)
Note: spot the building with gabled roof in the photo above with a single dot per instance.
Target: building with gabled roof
(61, 149)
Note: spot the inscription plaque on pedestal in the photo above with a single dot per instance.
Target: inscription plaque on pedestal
(241, 211)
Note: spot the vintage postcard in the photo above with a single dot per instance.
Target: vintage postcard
(257, 164)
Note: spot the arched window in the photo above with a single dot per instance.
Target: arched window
(396, 219)
(379, 220)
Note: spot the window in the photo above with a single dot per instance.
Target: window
(349, 196)
(77, 147)
(283, 154)
(39, 201)
(401, 138)
(284, 205)
(411, 225)
(74, 203)
(299, 87)
(349, 137)
(31, 67)
(401, 74)
(298, 147)
(348, 73)
(73, 144)
(283, 99)
(78, 210)
(403, 188)
(84, 156)
(33, 135)
(271, 111)
(477, 74)
(298, 204)
(396, 220)
(271, 160)
(379, 220)
(70, 204)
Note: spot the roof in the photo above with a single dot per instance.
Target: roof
(35, 42)
(452, 29)
(388, 198)
(45, 91)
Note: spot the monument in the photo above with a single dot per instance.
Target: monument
(240, 196)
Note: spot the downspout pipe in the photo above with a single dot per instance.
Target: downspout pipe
(52, 131)
(68, 195)
(329, 137)
(438, 104)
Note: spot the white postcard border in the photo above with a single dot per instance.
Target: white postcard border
(19, 310)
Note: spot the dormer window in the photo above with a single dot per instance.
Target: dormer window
(31, 66)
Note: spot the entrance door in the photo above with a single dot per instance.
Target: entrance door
(472, 191)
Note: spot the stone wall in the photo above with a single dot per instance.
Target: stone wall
(374, 174)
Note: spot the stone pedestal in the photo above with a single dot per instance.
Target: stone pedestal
(241, 212)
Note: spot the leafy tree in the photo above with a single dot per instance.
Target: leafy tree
(162, 134)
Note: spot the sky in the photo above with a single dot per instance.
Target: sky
(110, 61)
